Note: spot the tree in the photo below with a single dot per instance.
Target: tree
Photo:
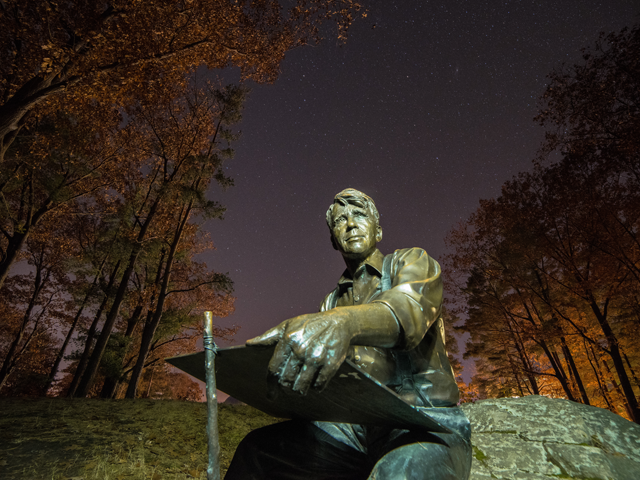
(592, 110)
(550, 269)
(68, 56)
(60, 162)
(87, 293)
(541, 288)
(182, 144)
(32, 303)
(138, 218)
(592, 113)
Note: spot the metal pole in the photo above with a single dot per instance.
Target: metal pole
(211, 349)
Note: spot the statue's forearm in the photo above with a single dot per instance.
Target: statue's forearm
(372, 324)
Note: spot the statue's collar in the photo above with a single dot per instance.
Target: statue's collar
(373, 263)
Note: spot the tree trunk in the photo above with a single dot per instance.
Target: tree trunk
(145, 344)
(19, 237)
(13, 112)
(603, 387)
(633, 373)
(153, 370)
(67, 339)
(10, 359)
(616, 387)
(151, 327)
(82, 364)
(101, 344)
(572, 365)
(109, 387)
(84, 359)
(557, 367)
(515, 374)
(522, 354)
(65, 344)
(96, 357)
(111, 384)
(15, 244)
(527, 364)
(614, 352)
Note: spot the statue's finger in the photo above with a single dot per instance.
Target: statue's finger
(325, 375)
(270, 337)
(290, 371)
(279, 358)
(305, 378)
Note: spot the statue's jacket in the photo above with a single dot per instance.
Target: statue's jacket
(417, 368)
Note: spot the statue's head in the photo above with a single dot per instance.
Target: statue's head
(354, 223)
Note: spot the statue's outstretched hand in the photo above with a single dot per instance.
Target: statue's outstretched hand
(310, 349)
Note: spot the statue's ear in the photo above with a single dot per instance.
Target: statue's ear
(378, 233)
(333, 243)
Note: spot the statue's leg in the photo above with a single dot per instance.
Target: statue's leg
(296, 451)
(420, 456)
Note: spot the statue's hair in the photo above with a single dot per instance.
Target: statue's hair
(351, 196)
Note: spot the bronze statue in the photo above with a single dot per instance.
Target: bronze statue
(384, 315)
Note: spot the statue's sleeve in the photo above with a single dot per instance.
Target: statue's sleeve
(326, 303)
(415, 296)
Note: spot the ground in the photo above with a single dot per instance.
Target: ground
(80, 439)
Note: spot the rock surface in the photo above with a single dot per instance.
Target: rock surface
(536, 438)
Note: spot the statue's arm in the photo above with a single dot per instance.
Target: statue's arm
(310, 348)
(415, 297)
(370, 324)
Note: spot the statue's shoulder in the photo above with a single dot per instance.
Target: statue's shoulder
(408, 253)
(414, 261)
(413, 250)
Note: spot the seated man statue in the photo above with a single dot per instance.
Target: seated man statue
(385, 316)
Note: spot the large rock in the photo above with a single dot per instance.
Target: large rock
(535, 438)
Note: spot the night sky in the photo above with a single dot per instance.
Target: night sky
(427, 108)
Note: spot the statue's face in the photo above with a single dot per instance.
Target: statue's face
(355, 231)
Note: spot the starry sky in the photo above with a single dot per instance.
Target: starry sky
(427, 108)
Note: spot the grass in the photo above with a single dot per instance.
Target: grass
(80, 439)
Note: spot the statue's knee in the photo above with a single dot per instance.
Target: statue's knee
(417, 461)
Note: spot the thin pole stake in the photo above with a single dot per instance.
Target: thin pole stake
(211, 349)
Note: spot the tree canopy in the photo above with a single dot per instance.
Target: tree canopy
(68, 55)
(548, 273)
